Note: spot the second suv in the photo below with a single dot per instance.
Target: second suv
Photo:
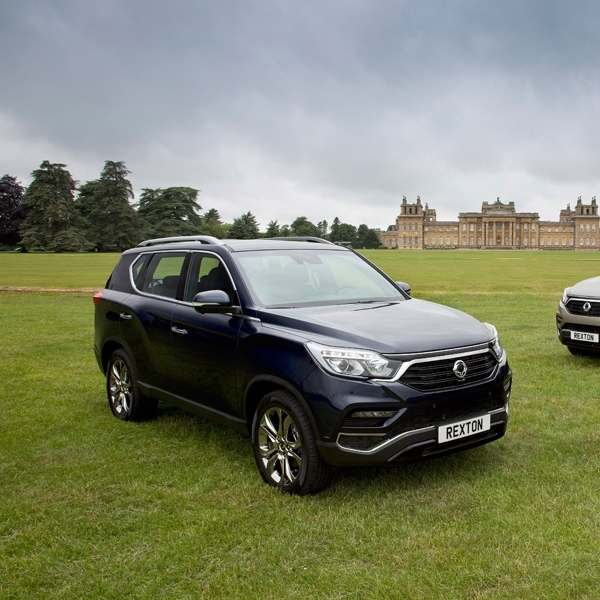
(304, 345)
(578, 317)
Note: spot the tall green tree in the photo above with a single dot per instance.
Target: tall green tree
(171, 212)
(347, 233)
(323, 228)
(244, 227)
(106, 204)
(273, 229)
(213, 225)
(53, 221)
(366, 237)
(334, 235)
(302, 226)
(12, 210)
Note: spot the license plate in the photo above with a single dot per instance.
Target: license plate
(463, 429)
(580, 336)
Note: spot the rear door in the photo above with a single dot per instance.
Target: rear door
(146, 323)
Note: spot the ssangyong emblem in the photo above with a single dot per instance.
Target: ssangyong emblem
(587, 307)
(460, 369)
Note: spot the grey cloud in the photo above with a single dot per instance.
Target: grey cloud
(355, 100)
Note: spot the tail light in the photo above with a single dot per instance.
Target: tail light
(97, 298)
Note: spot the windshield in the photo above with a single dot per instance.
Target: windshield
(279, 278)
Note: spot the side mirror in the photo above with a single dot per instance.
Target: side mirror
(213, 301)
(405, 287)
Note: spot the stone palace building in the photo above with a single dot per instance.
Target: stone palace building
(497, 226)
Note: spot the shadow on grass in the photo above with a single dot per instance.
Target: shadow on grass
(236, 449)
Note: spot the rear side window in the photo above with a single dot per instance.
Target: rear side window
(163, 274)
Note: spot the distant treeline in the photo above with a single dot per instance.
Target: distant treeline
(55, 213)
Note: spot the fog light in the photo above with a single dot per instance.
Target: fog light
(374, 414)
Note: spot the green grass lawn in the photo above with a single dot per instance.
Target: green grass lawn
(91, 507)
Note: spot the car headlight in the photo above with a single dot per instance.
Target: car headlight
(565, 296)
(496, 345)
(350, 362)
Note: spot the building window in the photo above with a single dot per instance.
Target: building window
(593, 228)
(455, 240)
(447, 240)
(464, 227)
(581, 227)
(525, 227)
(471, 228)
(581, 241)
(533, 227)
(506, 241)
(490, 241)
(564, 241)
(518, 227)
(541, 241)
(416, 227)
(587, 227)
(433, 240)
(464, 241)
(426, 240)
(570, 241)
(587, 241)
(404, 240)
(524, 241)
(593, 241)
(471, 240)
(556, 241)
(416, 240)
(404, 226)
(541, 230)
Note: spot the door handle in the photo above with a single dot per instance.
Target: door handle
(179, 331)
(125, 316)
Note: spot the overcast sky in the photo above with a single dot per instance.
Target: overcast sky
(315, 108)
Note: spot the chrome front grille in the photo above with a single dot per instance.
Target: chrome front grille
(433, 375)
(575, 307)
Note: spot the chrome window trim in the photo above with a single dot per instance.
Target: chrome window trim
(175, 251)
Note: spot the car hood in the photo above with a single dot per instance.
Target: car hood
(586, 288)
(388, 327)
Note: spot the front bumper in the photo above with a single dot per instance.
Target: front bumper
(412, 435)
(567, 322)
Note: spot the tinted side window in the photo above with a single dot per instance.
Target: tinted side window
(206, 272)
(163, 274)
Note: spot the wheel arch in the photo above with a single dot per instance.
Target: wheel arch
(109, 347)
(260, 386)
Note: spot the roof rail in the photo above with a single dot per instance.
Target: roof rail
(300, 238)
(203, 239)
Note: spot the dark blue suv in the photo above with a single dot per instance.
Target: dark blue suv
(303, 344)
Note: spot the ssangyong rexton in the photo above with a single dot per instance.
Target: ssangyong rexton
(303, 344)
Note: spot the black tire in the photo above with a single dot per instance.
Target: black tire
(124, 397)
(285, 449)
